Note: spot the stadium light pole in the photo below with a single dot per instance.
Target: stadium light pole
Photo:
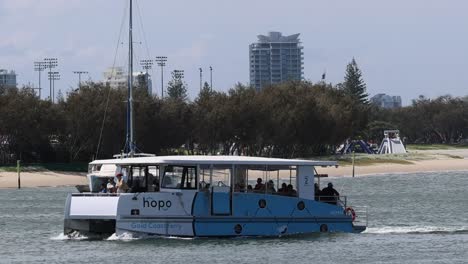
(39, 66)
(161, 60)
(79, 77)
(51, 63)
(178, 74)
(211, 79)
(201, 78)
(147, 65)
(53, 76)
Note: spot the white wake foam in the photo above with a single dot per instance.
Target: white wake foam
(128, 236)
(414, 229)
(123, 237)
(73, 236)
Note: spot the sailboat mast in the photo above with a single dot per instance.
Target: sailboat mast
(130, 136)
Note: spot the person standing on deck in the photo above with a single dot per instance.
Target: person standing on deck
(121, 184)
(317, 192)
(111, 186)
(329, 194)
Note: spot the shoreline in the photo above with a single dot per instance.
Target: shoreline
(423, 166)
(436, 162)
(39, 179)
(47, 179)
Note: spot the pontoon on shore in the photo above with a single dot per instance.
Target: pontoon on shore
(206, 196)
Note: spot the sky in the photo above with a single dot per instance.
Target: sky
(406, 48)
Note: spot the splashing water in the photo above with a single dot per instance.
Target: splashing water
(415, 230)
(73, 236)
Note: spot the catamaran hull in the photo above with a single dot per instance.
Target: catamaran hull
(211, 214)
(231, 227)
(204, 214)
(90, 226)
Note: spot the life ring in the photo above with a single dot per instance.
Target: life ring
(350, 211)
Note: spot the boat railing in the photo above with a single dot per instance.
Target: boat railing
(336, 200)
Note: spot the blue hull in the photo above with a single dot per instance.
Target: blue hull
(253, 214)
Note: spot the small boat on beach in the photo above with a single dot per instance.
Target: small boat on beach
(213, 196)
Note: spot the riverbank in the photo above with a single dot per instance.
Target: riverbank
(41, 179)
(429, 160)
(393, 168)
(414, 161)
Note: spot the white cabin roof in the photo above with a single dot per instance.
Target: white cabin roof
(214, 160)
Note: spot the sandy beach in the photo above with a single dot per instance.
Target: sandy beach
(41, 179)
(392, 168)
(427, 161)
(438, 160)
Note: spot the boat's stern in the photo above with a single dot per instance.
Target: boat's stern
(90, 213)
(359, 217)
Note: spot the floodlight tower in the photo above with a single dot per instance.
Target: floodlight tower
(53, 76)
(161, 60)
(39, 66)
(201, 78)
(79, 77)
(147, 65)
(51, 63)
(211, 78)
(178, 74)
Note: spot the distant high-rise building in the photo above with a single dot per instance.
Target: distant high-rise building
(7, 78)
(386, 101)
(117, 77)
(274, 59)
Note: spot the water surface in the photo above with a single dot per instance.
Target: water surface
(413, 218)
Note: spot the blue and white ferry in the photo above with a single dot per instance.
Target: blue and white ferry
(212, 196)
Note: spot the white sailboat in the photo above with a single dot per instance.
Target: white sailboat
(100, 173)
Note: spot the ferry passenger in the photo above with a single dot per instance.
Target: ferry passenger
(329, 194)
(291, 191)
(135, 185)
(239, 187)
(103, 188)
(270, 187)
(121, 184)
(111, 186)
(249, 188)
(259, 186)
(283, 190)
(317, 192)
(148, 181)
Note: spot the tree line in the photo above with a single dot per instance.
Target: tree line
(292, 119)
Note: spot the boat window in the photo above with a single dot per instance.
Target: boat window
(204, 183)
(152, 178)
(269, 180)
(144, 178)
(179, 177)
(94, 168)
(221, 176)
(240, 179)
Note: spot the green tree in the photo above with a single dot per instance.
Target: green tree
(177, 88)
(210, 121)
(353, 84)
(27, 125)
(206, 88)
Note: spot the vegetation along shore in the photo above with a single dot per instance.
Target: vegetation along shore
(297, 119)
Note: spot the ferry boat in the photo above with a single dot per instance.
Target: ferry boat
(213, 196)
(206, 196)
